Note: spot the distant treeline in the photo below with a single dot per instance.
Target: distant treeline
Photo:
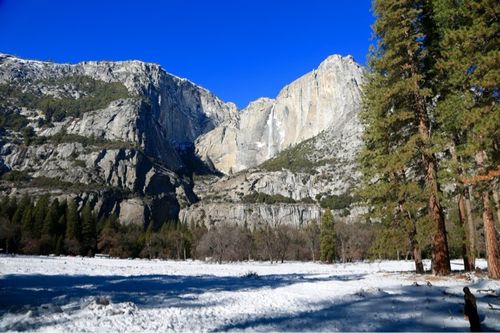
(50, 226)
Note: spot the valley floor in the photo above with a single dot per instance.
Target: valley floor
(68, 294)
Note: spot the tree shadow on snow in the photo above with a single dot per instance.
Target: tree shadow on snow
(23, 293)
(408, 308)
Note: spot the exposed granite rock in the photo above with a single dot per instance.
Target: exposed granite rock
(132, 211)
(328, 98)
(132, 144)
(133, 165)
(251, 214)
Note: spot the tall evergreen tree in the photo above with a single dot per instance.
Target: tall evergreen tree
(467, 109)
(89, 237)
(73, 229)
(396, 103)
(20, 208)
(27, 227)
(51, 219)
(327, 237)
(72, 221)
(10, 210)
(39, 214)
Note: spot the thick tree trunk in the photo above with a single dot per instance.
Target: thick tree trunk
(462, 215)
(490, 238)
(440, 254)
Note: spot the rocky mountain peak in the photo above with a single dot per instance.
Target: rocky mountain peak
(326, 97)
(122, 135)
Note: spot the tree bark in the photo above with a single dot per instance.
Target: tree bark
(417, 253)
(440, 253)
(471, 227)
(490, 238)
(462, 215)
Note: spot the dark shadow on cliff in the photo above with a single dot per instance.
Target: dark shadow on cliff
(194, 165)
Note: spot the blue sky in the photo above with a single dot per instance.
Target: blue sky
(240, 50)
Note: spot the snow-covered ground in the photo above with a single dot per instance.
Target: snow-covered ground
(110, 295)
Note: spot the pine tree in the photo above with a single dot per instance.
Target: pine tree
(396, 103)
(51, 220)
(89, 237)
(467, 110)
(27, 227)
(327, 237)
(48, 235)
(11, 209)
(39, 214)
(4, 206)
(21, 207)
(72, 221)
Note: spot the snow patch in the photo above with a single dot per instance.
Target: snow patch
(62, 294)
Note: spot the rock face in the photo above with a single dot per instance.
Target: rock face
(251, 214)
(297, 150)
(328, 98)
(182, 109)
(138, 154)
(131, 146)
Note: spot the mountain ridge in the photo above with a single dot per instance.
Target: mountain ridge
(145, 145)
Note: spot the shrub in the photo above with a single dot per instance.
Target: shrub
(12, 120)
(97, 95)
(296, 159)
(336, 202)
(15, 175)
(258, 197)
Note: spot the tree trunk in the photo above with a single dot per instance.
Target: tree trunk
(440, 254)
(462, 215)
(490, 238)
(471, 228)
(417, 253)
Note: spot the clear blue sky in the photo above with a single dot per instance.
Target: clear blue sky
(240, 50)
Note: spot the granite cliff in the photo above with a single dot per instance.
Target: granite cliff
(149, 146)
(125, 149)
(286, 157)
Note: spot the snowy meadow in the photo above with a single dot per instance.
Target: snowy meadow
(74, 294)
